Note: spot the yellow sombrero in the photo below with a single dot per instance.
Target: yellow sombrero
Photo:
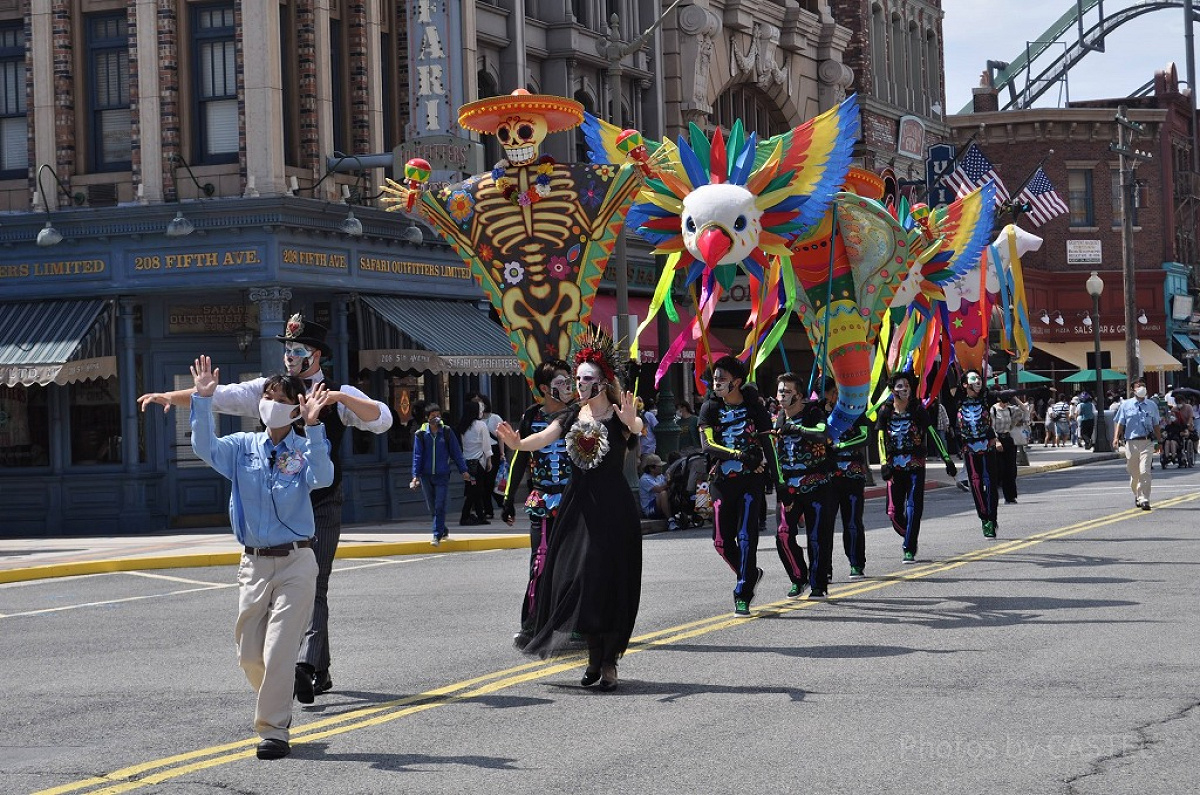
(485, 115)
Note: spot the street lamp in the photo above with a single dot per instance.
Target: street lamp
(1100, 440)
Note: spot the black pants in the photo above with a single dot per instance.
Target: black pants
(1086, 428)
(906, 504)
(475, 500)
(1008, 466)
(983, 476)
(819, 511)
(314, 649)
(737, 510)
(539, 540)
(848, 500)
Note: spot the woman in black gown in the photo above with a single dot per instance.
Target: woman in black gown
(593, 577)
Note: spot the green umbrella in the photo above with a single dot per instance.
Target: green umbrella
(1023, 377)
(1089, 376)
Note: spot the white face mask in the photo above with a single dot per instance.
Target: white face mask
(589, 380)
(276, 415)
(1140, 392)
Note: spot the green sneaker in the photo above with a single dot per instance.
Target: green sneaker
(856, 573)
(989, 528)
(741, 607)
(909, 557)
(797, 590)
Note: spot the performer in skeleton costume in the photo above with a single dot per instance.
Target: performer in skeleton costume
(735, 433)
(549, 472)
(980, 449)
(848, 484)
(805, 494)
(591, 584)
(903, 425)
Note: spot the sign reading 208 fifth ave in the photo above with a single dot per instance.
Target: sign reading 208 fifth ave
(220, 258)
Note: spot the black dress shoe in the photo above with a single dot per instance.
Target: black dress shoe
(590, 677)
(304, 687)
(322, 682)
(608, 678)
(273, 749)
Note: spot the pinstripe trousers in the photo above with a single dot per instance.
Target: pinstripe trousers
(314, 650)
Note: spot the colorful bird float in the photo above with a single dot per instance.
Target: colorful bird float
(874, 287)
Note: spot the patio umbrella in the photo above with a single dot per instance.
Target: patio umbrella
(1023, 377)
(1089, 376)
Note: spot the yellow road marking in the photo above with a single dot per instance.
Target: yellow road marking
(167, 768)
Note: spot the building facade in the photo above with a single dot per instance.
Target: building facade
(1072, 145)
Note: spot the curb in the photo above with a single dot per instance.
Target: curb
(395, 548)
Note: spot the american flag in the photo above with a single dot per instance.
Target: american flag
(1044, 201)
(974, 169)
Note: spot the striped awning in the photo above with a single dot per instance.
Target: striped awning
(431, 335)
(44, 342)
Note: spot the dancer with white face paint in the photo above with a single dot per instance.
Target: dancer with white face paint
(592, 577)
(735, 433)
(903, 426)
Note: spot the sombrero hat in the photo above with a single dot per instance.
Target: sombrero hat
(485, 115)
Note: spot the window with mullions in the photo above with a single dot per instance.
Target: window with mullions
(215, 84)
(14, 124)
(108, 92)
(756, 110)
(1079, 190)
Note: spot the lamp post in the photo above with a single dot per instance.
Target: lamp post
(1100, 440)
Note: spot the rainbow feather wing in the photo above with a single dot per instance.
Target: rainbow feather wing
(965, 227)
(810, 161)
(878, 248)
(601, 139)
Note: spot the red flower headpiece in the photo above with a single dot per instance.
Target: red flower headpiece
(596, 347)
(596, 357)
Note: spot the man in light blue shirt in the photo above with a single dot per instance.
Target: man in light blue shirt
(1138, 421)
(273, 473)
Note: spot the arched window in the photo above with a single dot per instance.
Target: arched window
(491, 147)
(933, 69)
(898, 60)
(913, 81)
(756, 110)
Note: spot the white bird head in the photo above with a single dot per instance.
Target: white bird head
(721, 224)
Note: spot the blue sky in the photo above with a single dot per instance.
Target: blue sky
(978, 30)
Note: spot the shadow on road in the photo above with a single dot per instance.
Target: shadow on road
(401, 763)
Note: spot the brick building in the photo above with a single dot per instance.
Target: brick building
(1072, 145)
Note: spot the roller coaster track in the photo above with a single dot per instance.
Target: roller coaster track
(1053, 71)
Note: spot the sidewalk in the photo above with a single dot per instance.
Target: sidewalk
(42, 558)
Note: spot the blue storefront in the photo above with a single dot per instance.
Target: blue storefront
(119, 308)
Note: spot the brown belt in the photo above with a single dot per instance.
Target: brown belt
(281, 551)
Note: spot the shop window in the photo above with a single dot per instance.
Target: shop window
(1079, 188)
(406, 394)
(756, 110)
(14, 126)
(216, 84)
(108, 92)
(24, 427)
(95, 422)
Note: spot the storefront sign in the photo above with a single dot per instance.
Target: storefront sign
(42, 374)
(444, 153)
(640, 275)
(422, 361)
(211, 318)
(1084, 252)
(400, 267)
(219, 258)
(87, 268)
(434, 67)
(306, 258)
(910, 140)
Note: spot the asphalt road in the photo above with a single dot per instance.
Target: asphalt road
(1059, 658)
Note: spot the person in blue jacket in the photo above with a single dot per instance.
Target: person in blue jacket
(273, 473)
(434, 447)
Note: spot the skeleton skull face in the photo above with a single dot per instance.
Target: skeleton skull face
(521, 137)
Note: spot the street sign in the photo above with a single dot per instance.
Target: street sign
(938, 162)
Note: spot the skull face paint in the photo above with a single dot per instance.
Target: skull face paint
(297, 359)
(902, 390)
(560, 388)
(786, 394)
(589, 380)
(722, 383)
(521, 137)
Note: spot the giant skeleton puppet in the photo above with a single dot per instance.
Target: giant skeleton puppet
(536, 233)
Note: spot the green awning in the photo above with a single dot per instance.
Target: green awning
(1023, 377)
(427, 334)
(44, 342)
(1089, 377)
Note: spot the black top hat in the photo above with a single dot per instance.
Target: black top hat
(307, 333)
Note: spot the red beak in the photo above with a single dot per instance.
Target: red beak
(714, 243)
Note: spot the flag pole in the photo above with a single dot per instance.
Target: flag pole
(1015, 208)
(953, 162)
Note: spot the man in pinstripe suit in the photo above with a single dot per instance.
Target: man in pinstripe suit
(304, 347)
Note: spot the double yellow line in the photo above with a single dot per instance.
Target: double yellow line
(159, 770)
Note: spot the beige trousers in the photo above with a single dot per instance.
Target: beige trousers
(1138, 455)
(275, 603)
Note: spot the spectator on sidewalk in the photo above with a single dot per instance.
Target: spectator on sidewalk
(1137, 423)
(689, 426)
(1005, 416)
(434, 448)
(1086, 410)
(1058, 417)
(652, 488)
(477, 452)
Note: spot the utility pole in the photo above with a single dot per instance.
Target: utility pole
(1129, 159)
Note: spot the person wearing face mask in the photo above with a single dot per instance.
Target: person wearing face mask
(592, 581)
(804, 494)
(980, 449)
(304, 348)
(903, 427)
(273, 472)
(435, 448)
(549, 473)
(1139, 423)
(735, 433)
(477, 451)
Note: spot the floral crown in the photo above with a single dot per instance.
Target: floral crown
(598, 348)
